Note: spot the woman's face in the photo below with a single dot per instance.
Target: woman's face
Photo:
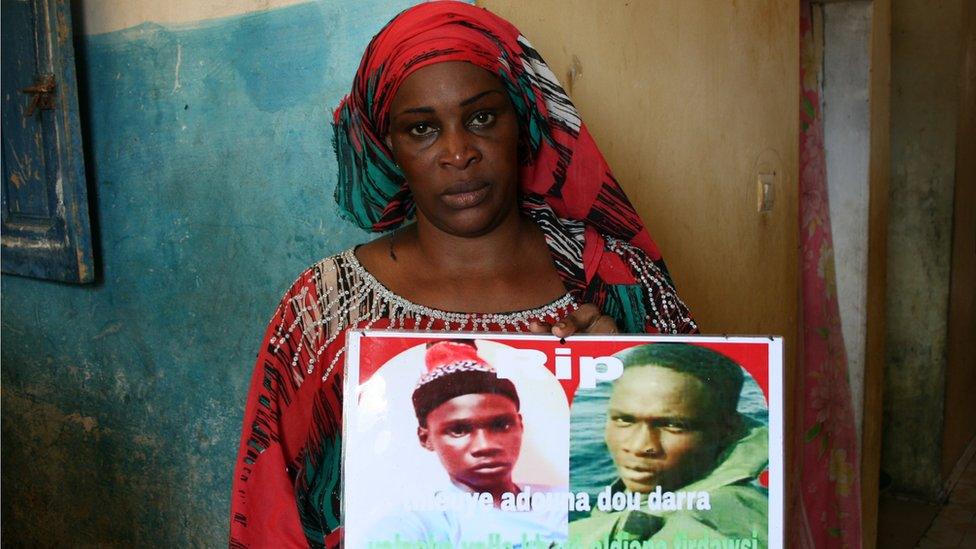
(454, 134)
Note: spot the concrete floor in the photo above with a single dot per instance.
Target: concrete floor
(905, 524)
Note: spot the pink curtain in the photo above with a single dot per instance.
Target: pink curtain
(826, 511)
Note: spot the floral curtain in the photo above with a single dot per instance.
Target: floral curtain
(826, 510)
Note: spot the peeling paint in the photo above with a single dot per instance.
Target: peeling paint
(179, 61)
(88, 423)
(54, 419)
(113, 328)
(113, 15)
(32, 244)
(64, 30)
(145, 440)
(25, 169)
(122, 401)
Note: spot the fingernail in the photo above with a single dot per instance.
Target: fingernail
(560, 324)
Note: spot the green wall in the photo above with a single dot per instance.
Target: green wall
(211, 175)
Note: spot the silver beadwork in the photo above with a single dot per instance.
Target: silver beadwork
(350, 296)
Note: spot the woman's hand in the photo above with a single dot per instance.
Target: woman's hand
(588, 319)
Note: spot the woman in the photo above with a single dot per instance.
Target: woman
(455, 120)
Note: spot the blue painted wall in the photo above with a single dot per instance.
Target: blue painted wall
(212, 173)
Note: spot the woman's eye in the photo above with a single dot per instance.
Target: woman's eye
(421, 130)
(483, 119)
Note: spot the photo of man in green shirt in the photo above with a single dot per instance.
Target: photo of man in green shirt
(687, 461)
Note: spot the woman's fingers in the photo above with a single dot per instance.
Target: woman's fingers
(537, 327)
(587, 319)
(604, 324)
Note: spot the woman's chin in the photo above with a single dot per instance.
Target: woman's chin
(470, 223)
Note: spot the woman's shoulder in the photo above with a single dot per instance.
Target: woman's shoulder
(316, 307)
(328, 275)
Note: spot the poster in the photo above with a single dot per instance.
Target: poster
(527, 441)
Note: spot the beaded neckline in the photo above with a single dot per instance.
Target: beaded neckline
(405, 305)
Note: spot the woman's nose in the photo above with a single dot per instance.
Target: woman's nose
(458, 150)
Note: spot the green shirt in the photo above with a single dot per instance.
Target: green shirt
(738, 508)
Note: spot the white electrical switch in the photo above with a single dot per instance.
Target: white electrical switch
(765, 191)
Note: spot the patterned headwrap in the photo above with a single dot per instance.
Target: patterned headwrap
(453, 369)
(562, 165)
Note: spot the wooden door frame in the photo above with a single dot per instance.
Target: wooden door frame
(879, 95)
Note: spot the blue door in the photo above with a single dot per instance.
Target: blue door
(45, 224)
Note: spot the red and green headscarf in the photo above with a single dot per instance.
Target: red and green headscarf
(561, 164)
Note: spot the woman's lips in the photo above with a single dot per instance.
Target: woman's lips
(465, 194)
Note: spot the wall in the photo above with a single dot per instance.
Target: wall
(211, 172)
(847, 142)
(101, 16)
(925, 53)
(689, 101)
(960, 428)
(709, 93)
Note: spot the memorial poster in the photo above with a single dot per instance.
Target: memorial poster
(529, 441)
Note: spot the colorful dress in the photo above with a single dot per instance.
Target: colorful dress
(287, 480)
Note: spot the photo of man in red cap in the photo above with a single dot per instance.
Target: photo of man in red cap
(470, 419)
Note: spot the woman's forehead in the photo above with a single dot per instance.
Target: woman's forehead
(443, 84)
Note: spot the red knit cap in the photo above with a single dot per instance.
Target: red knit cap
(455, 369)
